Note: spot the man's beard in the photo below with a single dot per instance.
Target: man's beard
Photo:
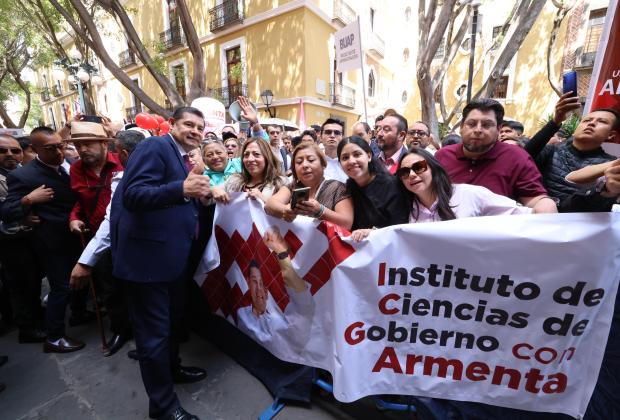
(478, 149)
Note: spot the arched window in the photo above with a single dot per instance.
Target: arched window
(371, 84)
(407, 14)
(404, 97)
(406, 54)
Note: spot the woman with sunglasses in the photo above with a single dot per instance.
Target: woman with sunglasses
(233, 147)
(377, 199)
(260, 175)
(219, 167)
(432, 197)
(327, 199)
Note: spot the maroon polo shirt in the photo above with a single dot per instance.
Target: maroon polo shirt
(506, 169)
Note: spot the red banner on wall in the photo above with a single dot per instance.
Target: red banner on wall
(604, 89)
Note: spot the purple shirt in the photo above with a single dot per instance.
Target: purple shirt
(505, 169)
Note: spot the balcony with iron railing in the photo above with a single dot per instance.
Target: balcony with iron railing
(586, 59)
(45, 95)
(131, 112)
(376, 45)
(343, 13)
(56, 91)
(229, 13)
(342, 95)
(227, 95)
(172, 37)
(126, 59)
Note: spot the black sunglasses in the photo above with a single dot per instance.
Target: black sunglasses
(418, 167)
(14, 150)
(334, 132)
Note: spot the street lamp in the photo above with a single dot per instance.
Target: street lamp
(267, 97)
(79, 72)
(472, 46)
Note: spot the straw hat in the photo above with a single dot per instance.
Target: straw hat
(87, 131)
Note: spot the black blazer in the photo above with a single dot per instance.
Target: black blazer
(54, 215)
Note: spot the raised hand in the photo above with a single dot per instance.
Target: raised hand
(196, 185)
(567, 103)
(247, 111)
(274, 241)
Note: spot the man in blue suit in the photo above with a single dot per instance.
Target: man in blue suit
(154, 223)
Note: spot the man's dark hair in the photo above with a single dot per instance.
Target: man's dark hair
(43, 130)
(515, 125)
(296, 140)
(616, 125)
(24, 142)
(485, 104)
(365, 125)
(402, 122)
(228, 135)
(424, 124)
(380, 117)
(333, 121)
(316, 127)
(449, 139)
(178, 112)
(129, 139)
(310, 133)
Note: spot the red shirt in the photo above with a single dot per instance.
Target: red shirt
(506, 169)
(86, 183)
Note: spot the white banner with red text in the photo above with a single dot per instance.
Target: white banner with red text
(512, 311)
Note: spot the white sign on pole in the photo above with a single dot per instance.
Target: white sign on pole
(348, 47)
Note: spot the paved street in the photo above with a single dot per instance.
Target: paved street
(85, 385)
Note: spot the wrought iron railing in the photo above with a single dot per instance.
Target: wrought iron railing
(131, 112)
(56, 91)
(228, 95)
(342, 95)
(343, 12)
(172, 37)
(45, 95)
(126, 59)
(587, 59)
(228, 13)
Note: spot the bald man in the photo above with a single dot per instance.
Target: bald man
(41, 188)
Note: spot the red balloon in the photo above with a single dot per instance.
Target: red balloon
(159, 119)
(164, 128)
(143, 120)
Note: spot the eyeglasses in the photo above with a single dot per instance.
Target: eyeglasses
(334, 132)
(14, 150)
(419, 133)
(418, 167)
(52, 147)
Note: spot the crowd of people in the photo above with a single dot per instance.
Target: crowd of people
(128, 214)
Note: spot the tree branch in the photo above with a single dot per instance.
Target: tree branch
(197, 85)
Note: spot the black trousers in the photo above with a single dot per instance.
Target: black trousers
(156, 311)
(21, 275)
(110, 292)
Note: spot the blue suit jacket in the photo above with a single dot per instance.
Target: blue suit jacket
(152, 225)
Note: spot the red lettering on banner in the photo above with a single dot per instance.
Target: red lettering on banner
(353, 335)
(388, 360)
(477, 371)
(381, 281)
(383, 302)
(517, 347)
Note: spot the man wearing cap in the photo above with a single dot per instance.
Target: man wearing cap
(42, 188)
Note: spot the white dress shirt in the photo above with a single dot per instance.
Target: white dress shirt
(334, 170)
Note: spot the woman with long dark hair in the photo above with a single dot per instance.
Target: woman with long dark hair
(432, 197)
(327, 198)
(377, 199)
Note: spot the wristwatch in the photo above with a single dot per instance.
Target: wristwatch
(283, 255)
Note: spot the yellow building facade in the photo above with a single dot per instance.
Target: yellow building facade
(287, 46)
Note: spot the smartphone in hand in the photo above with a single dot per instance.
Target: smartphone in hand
(299, 195)
(569, 82)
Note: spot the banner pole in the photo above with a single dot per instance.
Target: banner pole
(359, 34)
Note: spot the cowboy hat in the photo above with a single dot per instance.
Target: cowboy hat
(87, 131)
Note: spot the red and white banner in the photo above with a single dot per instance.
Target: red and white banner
(511, 311)
(604, 89)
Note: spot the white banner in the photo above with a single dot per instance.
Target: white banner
(511, 311)
(348, 47)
